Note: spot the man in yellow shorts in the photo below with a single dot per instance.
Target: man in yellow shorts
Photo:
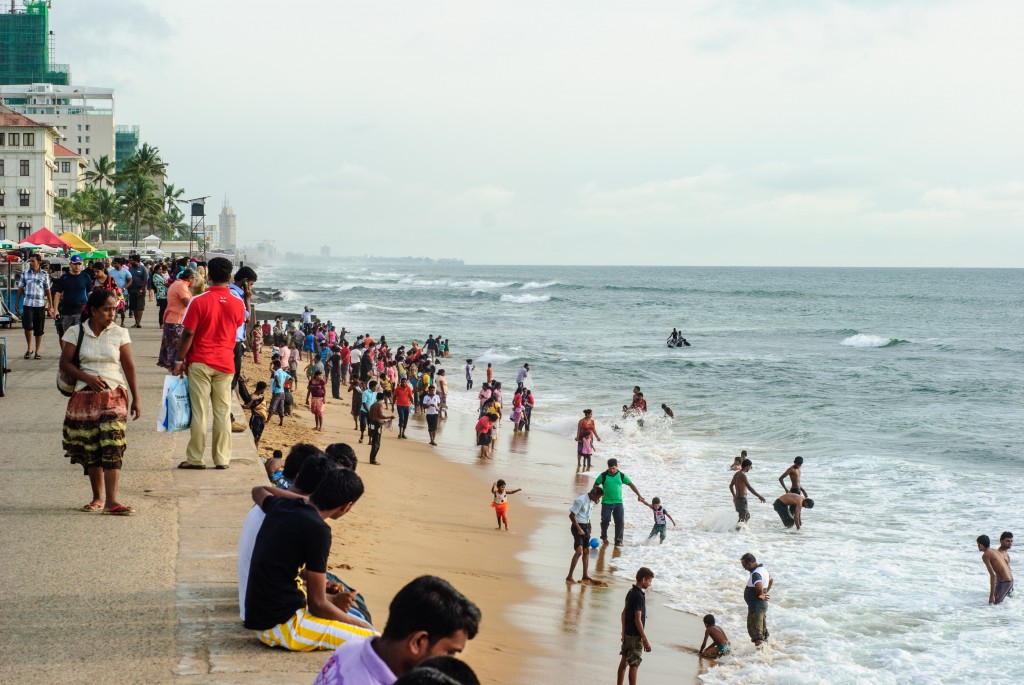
(293, 537)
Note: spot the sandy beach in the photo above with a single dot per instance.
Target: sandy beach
(426, 510)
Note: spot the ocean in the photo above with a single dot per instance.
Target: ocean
(901, 388)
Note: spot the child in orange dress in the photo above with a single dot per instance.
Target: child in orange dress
(500, 501)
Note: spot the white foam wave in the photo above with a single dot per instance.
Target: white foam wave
(364, 307)
(287, 295)
(491, 357)
(867, 340)
(424, 283)
(479, 285)
(525, 299)
(533, 285)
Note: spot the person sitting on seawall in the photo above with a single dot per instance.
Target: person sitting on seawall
(427, 618)
(294, 535)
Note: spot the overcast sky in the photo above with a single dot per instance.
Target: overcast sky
(756, 132)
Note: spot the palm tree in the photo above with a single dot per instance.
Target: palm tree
(145, 162)
(65, 208)
(105, 210)
(82, 204)
(140, 203)
(172, 196)
(102, 173)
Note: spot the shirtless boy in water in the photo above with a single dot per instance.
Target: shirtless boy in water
(719, 640)
(793, 473)
(1000, 577)
(738, 486)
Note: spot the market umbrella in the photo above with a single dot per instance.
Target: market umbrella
(45, 236)
(75, 242)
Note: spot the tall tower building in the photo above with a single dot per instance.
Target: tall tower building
(26, 46)
(228, 228)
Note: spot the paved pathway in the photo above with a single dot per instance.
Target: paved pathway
(151, 598)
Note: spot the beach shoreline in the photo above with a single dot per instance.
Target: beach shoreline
(516, 577)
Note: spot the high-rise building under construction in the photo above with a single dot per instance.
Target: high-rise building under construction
(31, 84)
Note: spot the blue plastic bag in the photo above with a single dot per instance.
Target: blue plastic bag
(178, 408)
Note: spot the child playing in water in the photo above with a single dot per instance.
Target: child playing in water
(500, 501)
(660, 515)
(585, 451)
(719, 641)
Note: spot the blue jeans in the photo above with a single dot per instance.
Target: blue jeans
(607, 512)
(403, 417)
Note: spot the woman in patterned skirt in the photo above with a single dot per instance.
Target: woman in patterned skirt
(179, 294)
(97, 414)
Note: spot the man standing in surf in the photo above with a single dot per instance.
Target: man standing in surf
(612, 481)
(755, 594)
(793, 473)
(738, 486)
(1000, 578)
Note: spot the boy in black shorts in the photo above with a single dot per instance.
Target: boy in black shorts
(634, 618)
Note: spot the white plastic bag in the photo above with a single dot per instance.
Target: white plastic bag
(161, 417)
(179, 411)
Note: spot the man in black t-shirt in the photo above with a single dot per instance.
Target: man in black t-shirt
(137, 289)
(294, 536)
(334, 365)
(70, 293)
(634, 620)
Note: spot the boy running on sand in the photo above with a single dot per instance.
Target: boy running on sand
(500, 501)
(719, 641)
(634, 619)
(660, 513)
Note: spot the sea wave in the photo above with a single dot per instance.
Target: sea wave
(869, 340)
(534, 285)
(490, 356)
(364, 307)
(525, 299)
(477, 285)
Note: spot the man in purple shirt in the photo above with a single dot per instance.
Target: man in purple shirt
(428, 617)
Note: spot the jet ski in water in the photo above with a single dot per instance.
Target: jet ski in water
(676, 339)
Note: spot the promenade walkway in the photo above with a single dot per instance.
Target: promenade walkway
(150, 598)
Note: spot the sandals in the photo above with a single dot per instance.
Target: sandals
(91, 507)
(38, 356)
(28, 355)
(194, 467)
(119, 510)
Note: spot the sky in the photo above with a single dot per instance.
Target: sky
(742, 132)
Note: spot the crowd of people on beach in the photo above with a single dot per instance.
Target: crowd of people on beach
(204, 311)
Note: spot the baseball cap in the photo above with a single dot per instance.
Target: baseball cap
(76, 259)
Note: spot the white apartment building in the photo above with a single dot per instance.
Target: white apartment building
(68, 179)
(27, 173)
(84, 115)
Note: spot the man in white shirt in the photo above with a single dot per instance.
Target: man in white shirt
(428, 617)
(579, 515)
(431, 409)
(523, 377)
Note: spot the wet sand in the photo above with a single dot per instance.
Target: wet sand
(426, 510)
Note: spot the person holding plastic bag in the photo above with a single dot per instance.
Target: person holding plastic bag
(97, 413)
(207, 353)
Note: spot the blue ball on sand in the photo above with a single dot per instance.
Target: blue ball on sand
(594, 543)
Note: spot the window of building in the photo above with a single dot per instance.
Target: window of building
(24, 230)
(86, 150)
(3, 230)
(79, 127)
(65, 167)
(24, 167)
(2, 136)
(13, 139)
(79, 139)
(87, 139)
(62, 192)
(79, 150)
(1, 167)
(29, 139)
(24, 197)
(87, 127)
(3, 193)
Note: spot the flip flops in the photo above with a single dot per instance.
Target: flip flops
(92, 506)
(195, 467)
(119, 510)
(28, 355)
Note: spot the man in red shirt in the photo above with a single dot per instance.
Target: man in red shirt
(207, 353)
(346, 359)
(403, 402)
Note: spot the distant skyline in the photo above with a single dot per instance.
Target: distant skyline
(750, 132)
